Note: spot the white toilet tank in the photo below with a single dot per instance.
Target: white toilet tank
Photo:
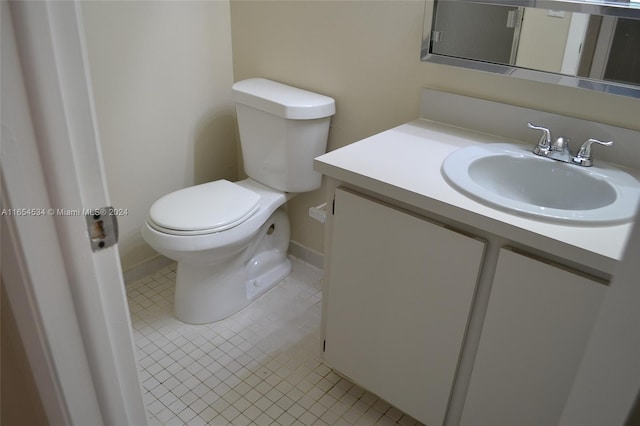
(282, 129)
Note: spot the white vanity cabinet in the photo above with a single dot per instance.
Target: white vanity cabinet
(398, 297)
(536, 328)
(440, 324)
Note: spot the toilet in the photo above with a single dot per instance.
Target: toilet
(230, 239)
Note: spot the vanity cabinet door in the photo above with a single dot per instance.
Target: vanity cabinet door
(398, 299)
(538, 322)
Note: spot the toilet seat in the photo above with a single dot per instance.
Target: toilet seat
(203, 209)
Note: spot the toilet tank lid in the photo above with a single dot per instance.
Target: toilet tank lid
(282, 100)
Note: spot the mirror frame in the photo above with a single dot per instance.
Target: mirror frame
(622, 9)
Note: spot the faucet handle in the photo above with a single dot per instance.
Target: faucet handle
(544, 145)
(583, 158)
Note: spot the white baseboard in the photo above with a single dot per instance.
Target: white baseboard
(307, 255)
(146, 268)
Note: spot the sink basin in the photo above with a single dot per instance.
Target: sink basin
(511, 178)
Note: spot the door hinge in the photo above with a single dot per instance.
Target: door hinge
(333, 206)
(102, 225)
(436, 36)
(324, 345)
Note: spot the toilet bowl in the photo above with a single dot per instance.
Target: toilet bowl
(220, 272)
(230, 239)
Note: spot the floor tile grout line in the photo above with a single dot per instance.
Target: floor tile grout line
(266, 371)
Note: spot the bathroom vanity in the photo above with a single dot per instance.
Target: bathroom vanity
(453, 311)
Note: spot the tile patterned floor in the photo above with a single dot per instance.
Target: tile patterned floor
(259, 367)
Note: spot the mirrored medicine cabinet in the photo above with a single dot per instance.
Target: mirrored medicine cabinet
(590, 44)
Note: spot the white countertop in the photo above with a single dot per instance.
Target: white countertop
(404, 163)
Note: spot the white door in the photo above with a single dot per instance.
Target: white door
(69, 301)
(537, 326)
(398, 303)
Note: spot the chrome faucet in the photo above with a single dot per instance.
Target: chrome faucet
(544, 145)
(559, 149)
(583, 158)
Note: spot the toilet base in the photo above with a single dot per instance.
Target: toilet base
(259, 284)
(209, 293)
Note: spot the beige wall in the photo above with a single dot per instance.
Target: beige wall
(365, 54)
(162, 76)
(162, 73)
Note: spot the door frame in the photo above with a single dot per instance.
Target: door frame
(70, 302)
